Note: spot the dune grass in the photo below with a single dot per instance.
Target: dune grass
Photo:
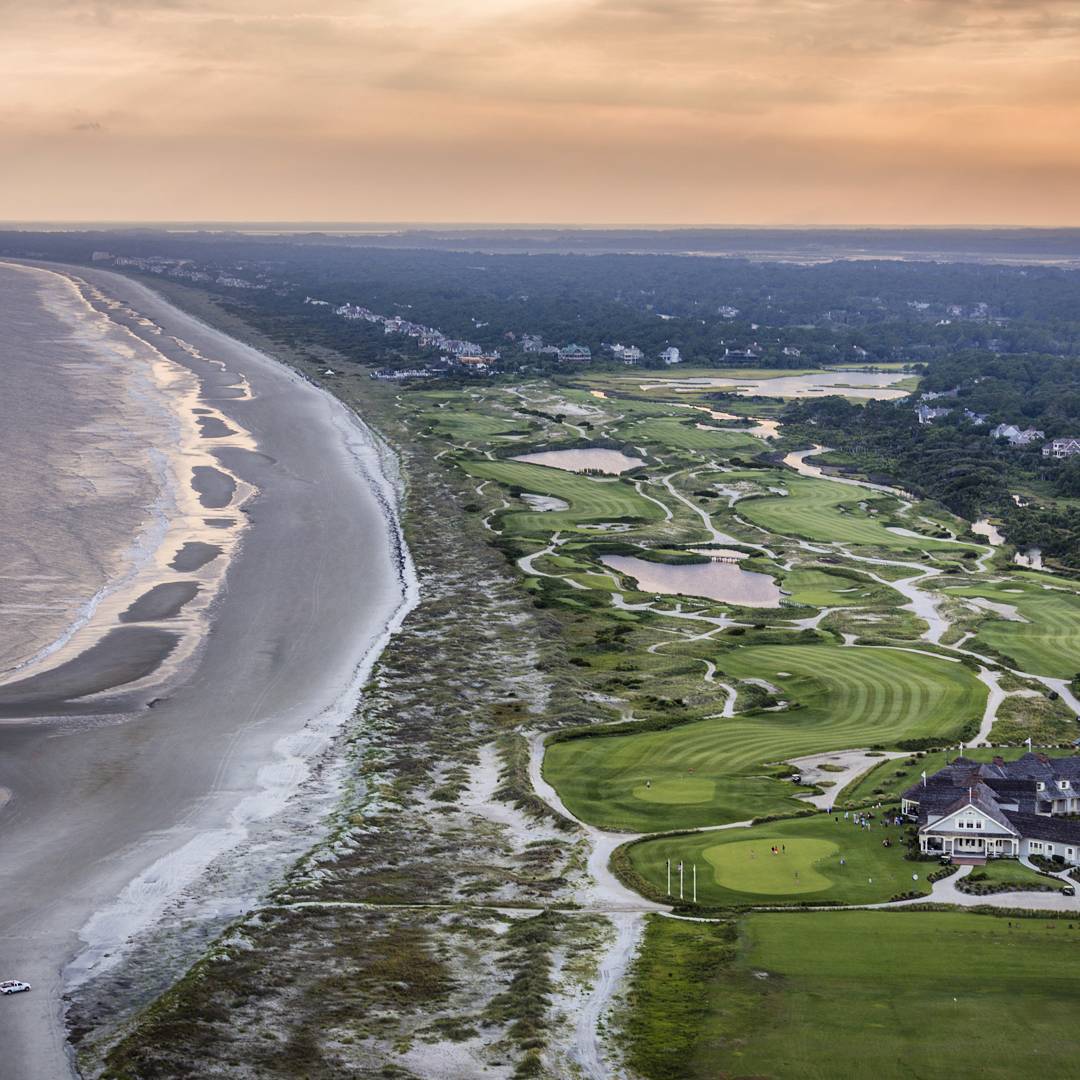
(713, 771)
(738, 867)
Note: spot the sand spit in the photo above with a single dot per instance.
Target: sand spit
(200, 734)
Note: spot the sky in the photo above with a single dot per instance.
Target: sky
(775, 112)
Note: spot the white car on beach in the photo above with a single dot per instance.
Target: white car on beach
(13, 986)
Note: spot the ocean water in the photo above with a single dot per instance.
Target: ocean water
(84, 484)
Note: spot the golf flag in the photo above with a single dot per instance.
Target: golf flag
(924, 778)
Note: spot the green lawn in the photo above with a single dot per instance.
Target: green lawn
(737, 866)
(712, 771)
(1009, 871)
(669, 432)
(829, 512)
(591, 500)
(459, 425)
(1048, 643)
(895, 996)
(820, 588)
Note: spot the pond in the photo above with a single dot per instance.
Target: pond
(589, 458)
(716, 581)
(878, 385)
(983, 527)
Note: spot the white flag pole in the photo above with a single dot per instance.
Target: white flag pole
(695, 883)
(669, 877)
(680, 880)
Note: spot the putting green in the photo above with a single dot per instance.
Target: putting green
(750, 866)
(677, 791)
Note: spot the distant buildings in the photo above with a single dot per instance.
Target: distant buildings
(926, 414)
(628, 354)
(671, 355)
(1015, 436)
(575, 352)
(1061, 448)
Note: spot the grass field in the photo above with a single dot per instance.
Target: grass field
(677, 433)
(737, 866)
(828, 512)
(591, 500)
(1010, 872)
(820, 588)
(460, 425)
(712, 771)
(856, 994)
(1048, 643)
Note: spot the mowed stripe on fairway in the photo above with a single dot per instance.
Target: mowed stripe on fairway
(828, 512)
(848, 697)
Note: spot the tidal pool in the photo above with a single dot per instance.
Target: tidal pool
(716, 581)
(595, 458)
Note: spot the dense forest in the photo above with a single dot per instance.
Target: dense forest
(840, 311)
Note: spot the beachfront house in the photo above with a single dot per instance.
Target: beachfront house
(971, 811)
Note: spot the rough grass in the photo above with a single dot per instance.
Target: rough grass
(714, 771)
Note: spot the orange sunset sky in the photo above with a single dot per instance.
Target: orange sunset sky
(591, 111)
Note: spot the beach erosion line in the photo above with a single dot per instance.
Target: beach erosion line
(147, 897)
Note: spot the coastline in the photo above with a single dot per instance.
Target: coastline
(114, 814)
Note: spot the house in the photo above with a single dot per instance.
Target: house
(1061, 448)
(628, 354)
(972, 811)
(575, 352)
(927, 414)
(1015, 436)
(671, 355)
(978, 419)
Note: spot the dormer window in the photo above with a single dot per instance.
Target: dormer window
(1063, 784)
(1039, 785)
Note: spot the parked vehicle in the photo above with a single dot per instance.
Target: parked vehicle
(1068, 890)
(13, 986)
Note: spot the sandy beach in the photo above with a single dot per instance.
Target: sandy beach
(187, 709)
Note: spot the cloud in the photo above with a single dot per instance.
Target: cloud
(649, 96)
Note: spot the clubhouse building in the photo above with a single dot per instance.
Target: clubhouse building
(973, 811)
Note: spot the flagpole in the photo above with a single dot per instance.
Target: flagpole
(669, 877)
(695, 883)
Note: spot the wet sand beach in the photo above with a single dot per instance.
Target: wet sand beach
(168, 724)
